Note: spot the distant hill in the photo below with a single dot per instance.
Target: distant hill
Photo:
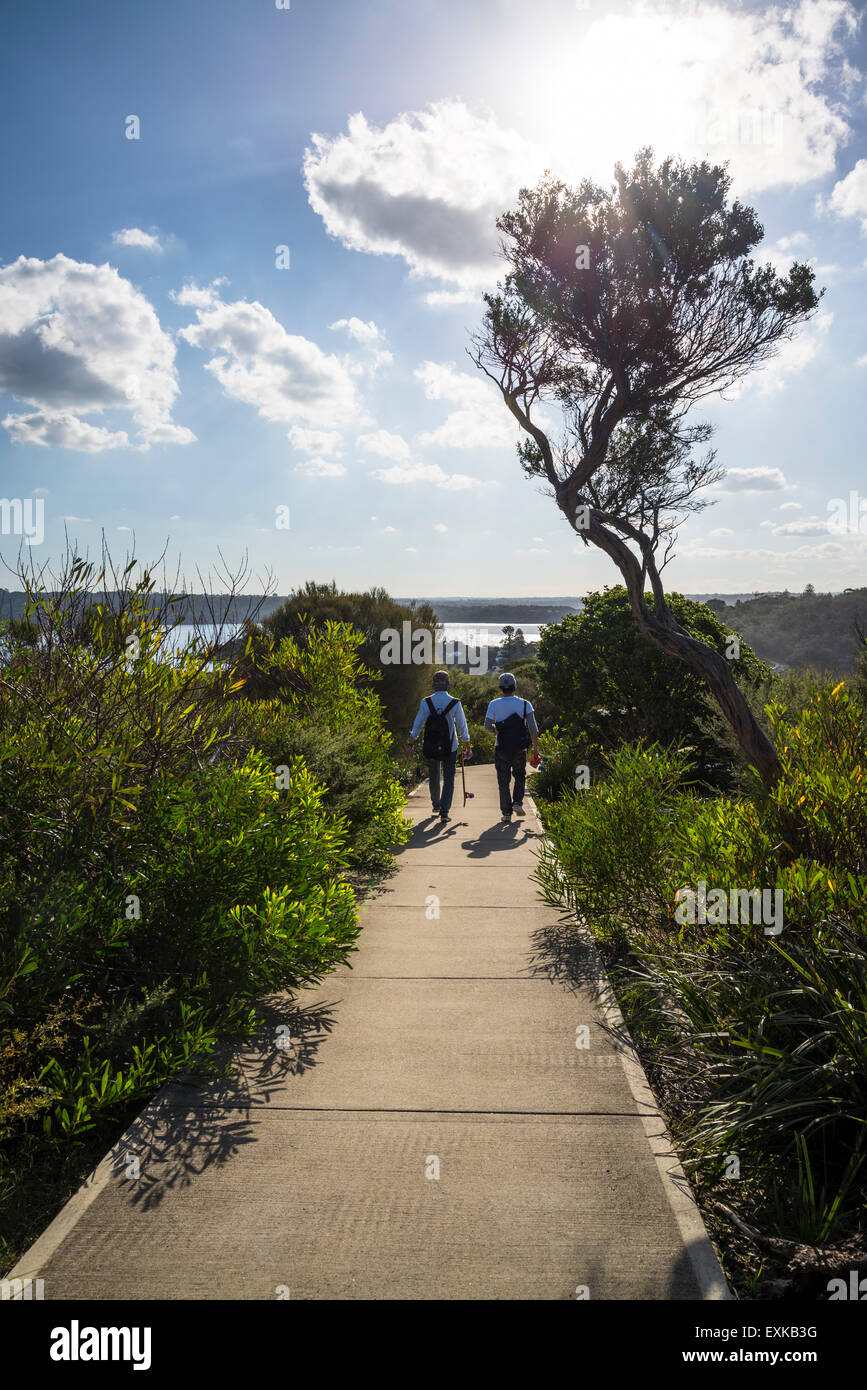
(818, 630)
(501, 610)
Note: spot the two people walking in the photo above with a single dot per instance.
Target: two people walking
(444, 722)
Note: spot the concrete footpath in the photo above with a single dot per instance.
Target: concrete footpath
(421, 1126)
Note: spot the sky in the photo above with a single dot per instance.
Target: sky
(243, 248)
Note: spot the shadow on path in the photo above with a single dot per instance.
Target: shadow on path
(566, 953)
(501, 836)
(186, 1130)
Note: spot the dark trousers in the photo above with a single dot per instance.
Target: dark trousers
(510, 765)
(442, 799)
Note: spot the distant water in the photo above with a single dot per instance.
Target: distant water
(479, 634)
(483, 634)
(185, 632)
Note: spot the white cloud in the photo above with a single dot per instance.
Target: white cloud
(450, 299)
(809, 526)
(790, 507)
(137, 239)
(786, 249)
(385, 444)
(368, 335)
(480, 421)
(438, 526)
(63, 431)
(721, 531)
(428, 187)
(861, 361)
(792, 357)
(843, 558)
(752, 480)
(389, 530)
(359, 330)
(77, 339)
(320, 468)
(758, 88)
(403, 474)
(849, 196)
(410, 550)
(284, 376)
(315, 441)
(194, 296)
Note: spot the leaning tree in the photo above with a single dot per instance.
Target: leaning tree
(621, 308)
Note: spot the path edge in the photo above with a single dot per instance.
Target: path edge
(38, 1255)
(705, 1262)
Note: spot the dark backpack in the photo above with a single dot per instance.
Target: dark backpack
(513, 734)
(437, 734)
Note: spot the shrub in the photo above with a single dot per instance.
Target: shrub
(325, 715)
(482, 743)
(759, 1043)
(400, 685)
(608, 850)
(612, 684)
(562, 754)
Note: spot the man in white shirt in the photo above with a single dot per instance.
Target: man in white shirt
(441, 741)
(515, 724)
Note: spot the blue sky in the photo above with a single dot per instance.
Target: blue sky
(162, 378)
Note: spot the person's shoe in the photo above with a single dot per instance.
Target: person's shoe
(518, 809)
(443, 819)
(436, 807)
(507, 820)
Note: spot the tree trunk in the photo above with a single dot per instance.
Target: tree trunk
(661, 627)
(715, 671)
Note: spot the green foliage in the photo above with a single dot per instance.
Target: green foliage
(613, 684)
(758, 1042)
(790, 691)
(513, 647)
(562, 753)
(669, 258)
(859, 681)
(482, 743)
(803, 630)
(328, 716)
(611, 841)
(157, 875)
(239, 891)
(400, 685)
